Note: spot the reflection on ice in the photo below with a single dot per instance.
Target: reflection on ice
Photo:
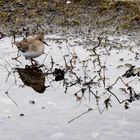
(33, 77)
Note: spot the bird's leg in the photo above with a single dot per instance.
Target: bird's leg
(34, 62)
(16, 58)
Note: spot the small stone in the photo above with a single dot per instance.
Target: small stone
(21, 114)
(32, 102)
(68, 2)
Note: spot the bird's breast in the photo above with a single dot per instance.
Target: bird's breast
(33, 53)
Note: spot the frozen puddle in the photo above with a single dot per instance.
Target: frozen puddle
(79, 93)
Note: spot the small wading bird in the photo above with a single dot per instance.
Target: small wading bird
(31, 47)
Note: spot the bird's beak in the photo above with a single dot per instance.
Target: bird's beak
(45, 43)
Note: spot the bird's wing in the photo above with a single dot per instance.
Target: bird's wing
(23, 46)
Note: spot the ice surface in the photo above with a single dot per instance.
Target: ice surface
(48, 117)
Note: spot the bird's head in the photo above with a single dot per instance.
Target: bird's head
(40, 37)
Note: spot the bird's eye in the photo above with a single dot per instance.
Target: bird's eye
(40, 38)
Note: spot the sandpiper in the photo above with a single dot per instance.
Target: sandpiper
(31, 47)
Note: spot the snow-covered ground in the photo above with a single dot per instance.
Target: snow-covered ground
(56, 115)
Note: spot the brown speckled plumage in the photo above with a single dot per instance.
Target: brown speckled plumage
(31, 45)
